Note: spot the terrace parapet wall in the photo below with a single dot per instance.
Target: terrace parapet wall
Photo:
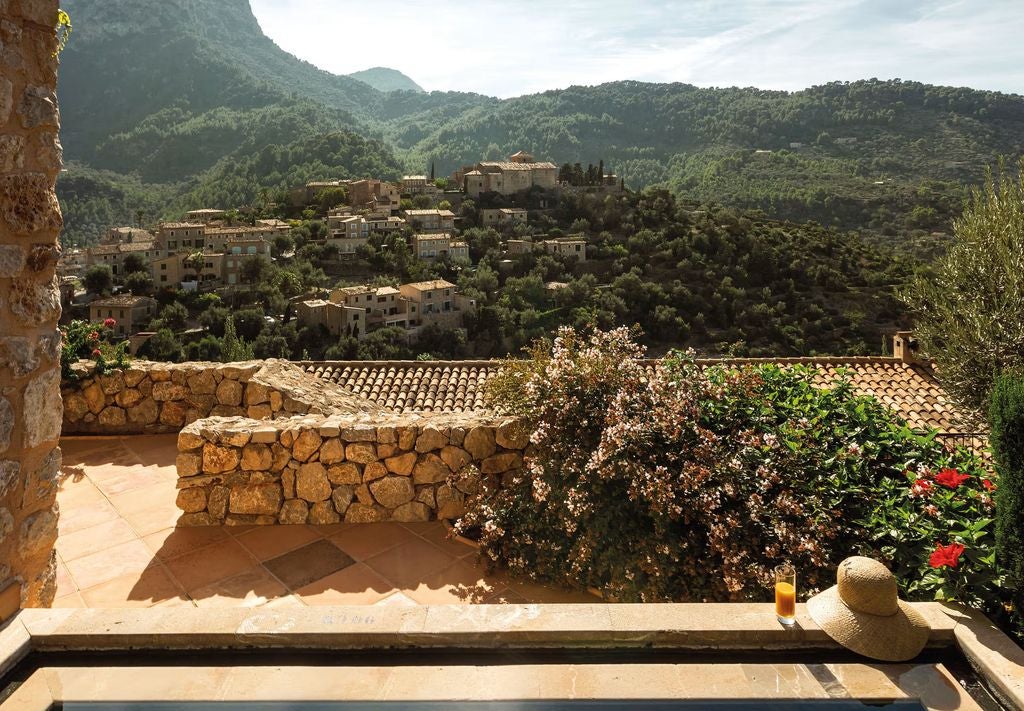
(355, 469)
(154, 398)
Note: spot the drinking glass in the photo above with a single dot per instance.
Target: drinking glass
(785, 594)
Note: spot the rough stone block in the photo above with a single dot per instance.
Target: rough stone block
(38, 534)
(167, 391)
(173, 414)
(17, 356)
(364, 513)
(455, 457)
(256, 394)
(229, 393)
(145, 413)
(6, 99)
(332, 451)
(361, 452)
(259, 412)
(402, 464)
(191, 500)
(430, 439)
(264, 435)
(430, 469)
(499, 463)
(451, 503)
(6, 424)
(480, 443)
(255, 499)
(42, 412)
(113, 417)
(374, 471)
(218, 459)
(342, 497)
(256, 457)
(311, 483)
(12, 260)
(189, 463)
(513, 434)
(359, 433)
(323, 513)
(305, 444)
(128, 398)
(412, 511)
(189, 439)
(34, 303)
(294, 511)
(345, 473)
(393, 491)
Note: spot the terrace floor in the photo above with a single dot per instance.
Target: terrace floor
(118, 547)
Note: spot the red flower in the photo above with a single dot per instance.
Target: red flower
(94, 336)
(989, 485)
(944, 556)
(951, 478)
(920, 487)
(96, 353)
(110, 323)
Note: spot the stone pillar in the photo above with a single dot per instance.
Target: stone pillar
(30, 221)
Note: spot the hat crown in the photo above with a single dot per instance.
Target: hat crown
(865, 585)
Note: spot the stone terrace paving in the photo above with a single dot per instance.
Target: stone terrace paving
(118, 547)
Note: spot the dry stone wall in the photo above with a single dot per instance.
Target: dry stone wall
(30, 219)
(237, 471)
(150, 398)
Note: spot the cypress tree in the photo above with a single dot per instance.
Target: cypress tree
(1006, 418)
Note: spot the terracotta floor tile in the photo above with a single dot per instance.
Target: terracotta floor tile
(154, 519)
(94, 539)
(116, 561)
(459, 583)
(354, 585)
(247, 589)
(159, 450)
(422, 527)
(145, 589)
(172, 542)
(397, 599)
(217, 561)
(77, 489)
(73, 600)
(119, 479)
(266, 542)
(308, 564)
(504, 596)
(438, 535)
(75, 517)
(65, 583)
(286, 601)
(363, 540)
(143, 497)
(410, 563)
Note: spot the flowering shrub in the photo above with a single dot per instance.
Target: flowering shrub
(673, 481)
(81, 339)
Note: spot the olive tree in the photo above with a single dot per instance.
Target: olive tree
(969, 308)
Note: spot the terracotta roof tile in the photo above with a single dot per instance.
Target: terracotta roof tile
(458, 386)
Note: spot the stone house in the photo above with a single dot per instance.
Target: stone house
(181, 236)
(418, 185)
(519, 173)
(497, 217)
(217, 239)
(113, 255)
(204, 215)
(130, 312)
(567, 247)
(430, 220)
(374, 194)
(429, 247)
(436, 301)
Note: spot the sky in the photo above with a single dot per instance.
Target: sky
(526, 46)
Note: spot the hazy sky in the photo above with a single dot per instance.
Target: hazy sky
(512, 48)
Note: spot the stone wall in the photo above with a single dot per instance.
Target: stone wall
(150, 398)
(30, 219)
(319, 470)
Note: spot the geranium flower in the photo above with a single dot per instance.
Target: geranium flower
(951, 478)
(920, 487)
(94, 336)
(96, 353)
(945, 556)
(988, 484)
(932, 510)
(110, 323)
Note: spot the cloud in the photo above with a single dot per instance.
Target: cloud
(511, 48)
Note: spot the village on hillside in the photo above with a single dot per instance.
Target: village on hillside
(133, 271)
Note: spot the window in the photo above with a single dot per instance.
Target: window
(163, 277)
(163, 267)
(447, 306)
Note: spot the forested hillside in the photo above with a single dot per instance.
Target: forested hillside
(169, 96)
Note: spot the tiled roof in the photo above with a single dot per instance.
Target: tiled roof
(458, 386)
(412, 386)
(123, 300)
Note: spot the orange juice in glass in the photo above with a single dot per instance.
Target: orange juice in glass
(785, 594)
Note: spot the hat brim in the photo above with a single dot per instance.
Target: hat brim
(891, 638)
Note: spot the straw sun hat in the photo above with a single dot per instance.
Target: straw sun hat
(863, 613)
